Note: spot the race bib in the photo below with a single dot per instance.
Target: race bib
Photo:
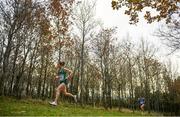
(61, 77)
(141, 102)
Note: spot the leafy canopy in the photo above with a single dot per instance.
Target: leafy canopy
(166, 9)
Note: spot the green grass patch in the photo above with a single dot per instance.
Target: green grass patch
(30, 107)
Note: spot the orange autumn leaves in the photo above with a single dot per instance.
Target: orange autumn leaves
(61, 11)
(57, 10)
(165, 9)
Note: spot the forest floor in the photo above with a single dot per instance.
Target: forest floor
(31, 107)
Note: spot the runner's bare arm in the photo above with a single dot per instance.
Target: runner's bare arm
(69, 72)
(56, 76)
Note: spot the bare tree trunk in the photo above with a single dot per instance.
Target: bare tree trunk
(119, 97)
(31, 69)
(105, 94)
(87, 92)
(131, 84)
(147, 90)
(6, 62)
(93, 101)
(82, 67)
(74, 72)
(109, 94)
(40, 79)
(16, 89)
(1, 49)
(45, 77)
(14, 67)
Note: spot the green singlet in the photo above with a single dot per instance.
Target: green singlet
(62, 76)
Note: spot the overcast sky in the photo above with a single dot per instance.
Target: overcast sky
(116, 18)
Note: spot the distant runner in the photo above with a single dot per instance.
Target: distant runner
(63, 76)
(141, 102)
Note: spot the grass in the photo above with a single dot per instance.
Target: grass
(29, 107)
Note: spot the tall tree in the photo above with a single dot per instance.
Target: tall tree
(129, 54)
(13, 20)
(84, 23)
(60, 17)
(147, 54)
(102, 45)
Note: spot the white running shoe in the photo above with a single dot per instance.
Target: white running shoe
(75, 98)
(53, 103)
